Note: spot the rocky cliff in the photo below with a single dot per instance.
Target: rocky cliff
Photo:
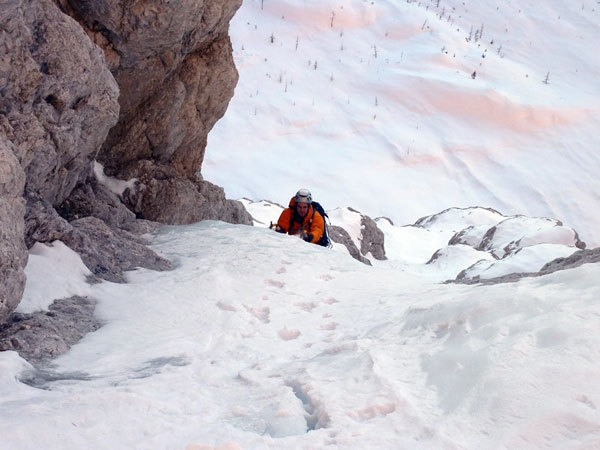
(135, 85)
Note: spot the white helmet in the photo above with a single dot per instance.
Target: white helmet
(303, 196)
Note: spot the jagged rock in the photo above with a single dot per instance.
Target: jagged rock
(13, 252)
(341, 236)
(219, 208)
(173, 62)
(70, 70)
(162, 195)
(57, 102)
(95, 199)
(43, 224)
(108, 252)
(372, 239)
(57, 95)
(576, 259)
(41, 336)
(146, 42)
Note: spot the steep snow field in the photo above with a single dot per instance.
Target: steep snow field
(257, 340)
(372, 105)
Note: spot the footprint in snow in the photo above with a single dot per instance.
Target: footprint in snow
(274, 283)
(306, 306)
(289, 335)
(226, 306)
(372, 411)
(261, 314)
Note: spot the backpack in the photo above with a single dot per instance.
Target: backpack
(324, 241)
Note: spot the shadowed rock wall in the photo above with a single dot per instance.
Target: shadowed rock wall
(57, 102)
(134, 84)
(173, 63)
(13, 253)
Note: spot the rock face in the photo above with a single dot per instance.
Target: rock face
(135, 85)
(13, 253)
(370, 242)
(57, 102)
(173, 63)
(59, 99)
(43, 335)
(372, 239)
(341, 236)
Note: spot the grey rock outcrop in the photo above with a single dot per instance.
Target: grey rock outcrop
(173, 63)
(583, 256)
(57, 102)
(43, 223)
(162, 195)
(373, 239)
(340, 236)
(108, 252)
(580, 257)
(135, 85)
(95, 200)
(58, 99)
(13, 253)
(41, 336)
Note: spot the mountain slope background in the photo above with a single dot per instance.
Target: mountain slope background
(403, 108)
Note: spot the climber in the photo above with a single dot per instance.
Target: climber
(300, 218)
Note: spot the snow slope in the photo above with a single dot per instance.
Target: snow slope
(257, 340)
(372, 104)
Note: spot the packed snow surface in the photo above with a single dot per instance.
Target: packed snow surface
(257, 340)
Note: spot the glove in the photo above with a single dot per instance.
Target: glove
(276, 227)
(308, 237)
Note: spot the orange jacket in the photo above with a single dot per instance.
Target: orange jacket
(312, 223)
